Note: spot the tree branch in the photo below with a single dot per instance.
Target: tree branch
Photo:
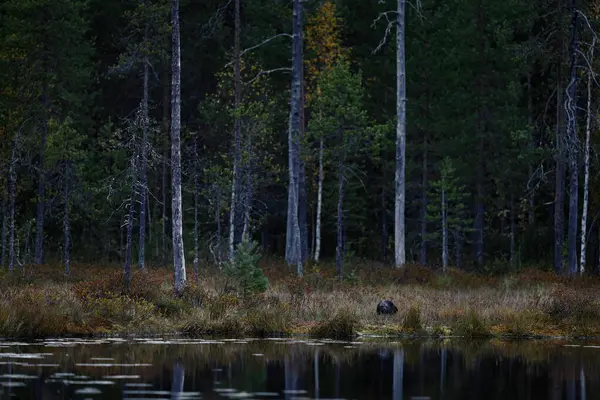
(259, 45)
(270, 71)
(388, 28)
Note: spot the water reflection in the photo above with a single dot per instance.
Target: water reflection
(297, 369)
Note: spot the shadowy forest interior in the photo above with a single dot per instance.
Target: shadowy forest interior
(459, 133)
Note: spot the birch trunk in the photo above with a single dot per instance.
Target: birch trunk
(340, 219)
(144, 166)
(586, 174)
(66, 221)
(319, 204)
(177, 217)
(444, 231)
(235, 182)
(41, 190)
(293, 242)
(573, 148)
(399, 223)
(4, 224)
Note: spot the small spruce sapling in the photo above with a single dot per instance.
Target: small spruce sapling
(244, 269)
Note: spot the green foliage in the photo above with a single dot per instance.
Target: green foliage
(245, 271)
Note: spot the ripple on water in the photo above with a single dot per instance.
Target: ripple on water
(121, 377)
(138, 385)
(15, 384)
(88, 391)
(17, 376)
(109, 365)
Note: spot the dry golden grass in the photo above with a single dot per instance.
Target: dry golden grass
(43, 302)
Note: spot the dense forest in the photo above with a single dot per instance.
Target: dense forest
(445, 133)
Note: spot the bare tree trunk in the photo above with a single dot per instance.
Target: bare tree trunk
(144, 165)
(177, 234)
(196, 246)
(41, 190)
(235, 183)
(12, 173)
(165, 166)
(4, 224)
(319, 203)
(586, 170)
(478, 223)
(571, 107)
(130, 218)
(531, 210)
(399, 223)
(444, 231)
(340, 216)
(423, 255)
(66, 220)
(293, 241)
(302, 194)
(559, 189)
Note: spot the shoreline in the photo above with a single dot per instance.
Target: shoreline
(532, 305)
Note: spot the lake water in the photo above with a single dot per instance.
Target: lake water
(163, 368)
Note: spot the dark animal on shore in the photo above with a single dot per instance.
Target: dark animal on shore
(386, 307)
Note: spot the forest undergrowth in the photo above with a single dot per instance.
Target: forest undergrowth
(40, 301)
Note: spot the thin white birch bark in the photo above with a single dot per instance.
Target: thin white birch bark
(319, 204)
(399, 223)
(235, 183)
(177, 217)
(586, 175)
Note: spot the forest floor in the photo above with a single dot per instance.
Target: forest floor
(40, 301)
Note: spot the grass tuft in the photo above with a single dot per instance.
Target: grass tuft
(342, 325)
(412, 320)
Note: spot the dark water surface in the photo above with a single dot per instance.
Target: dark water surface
(159, 368)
